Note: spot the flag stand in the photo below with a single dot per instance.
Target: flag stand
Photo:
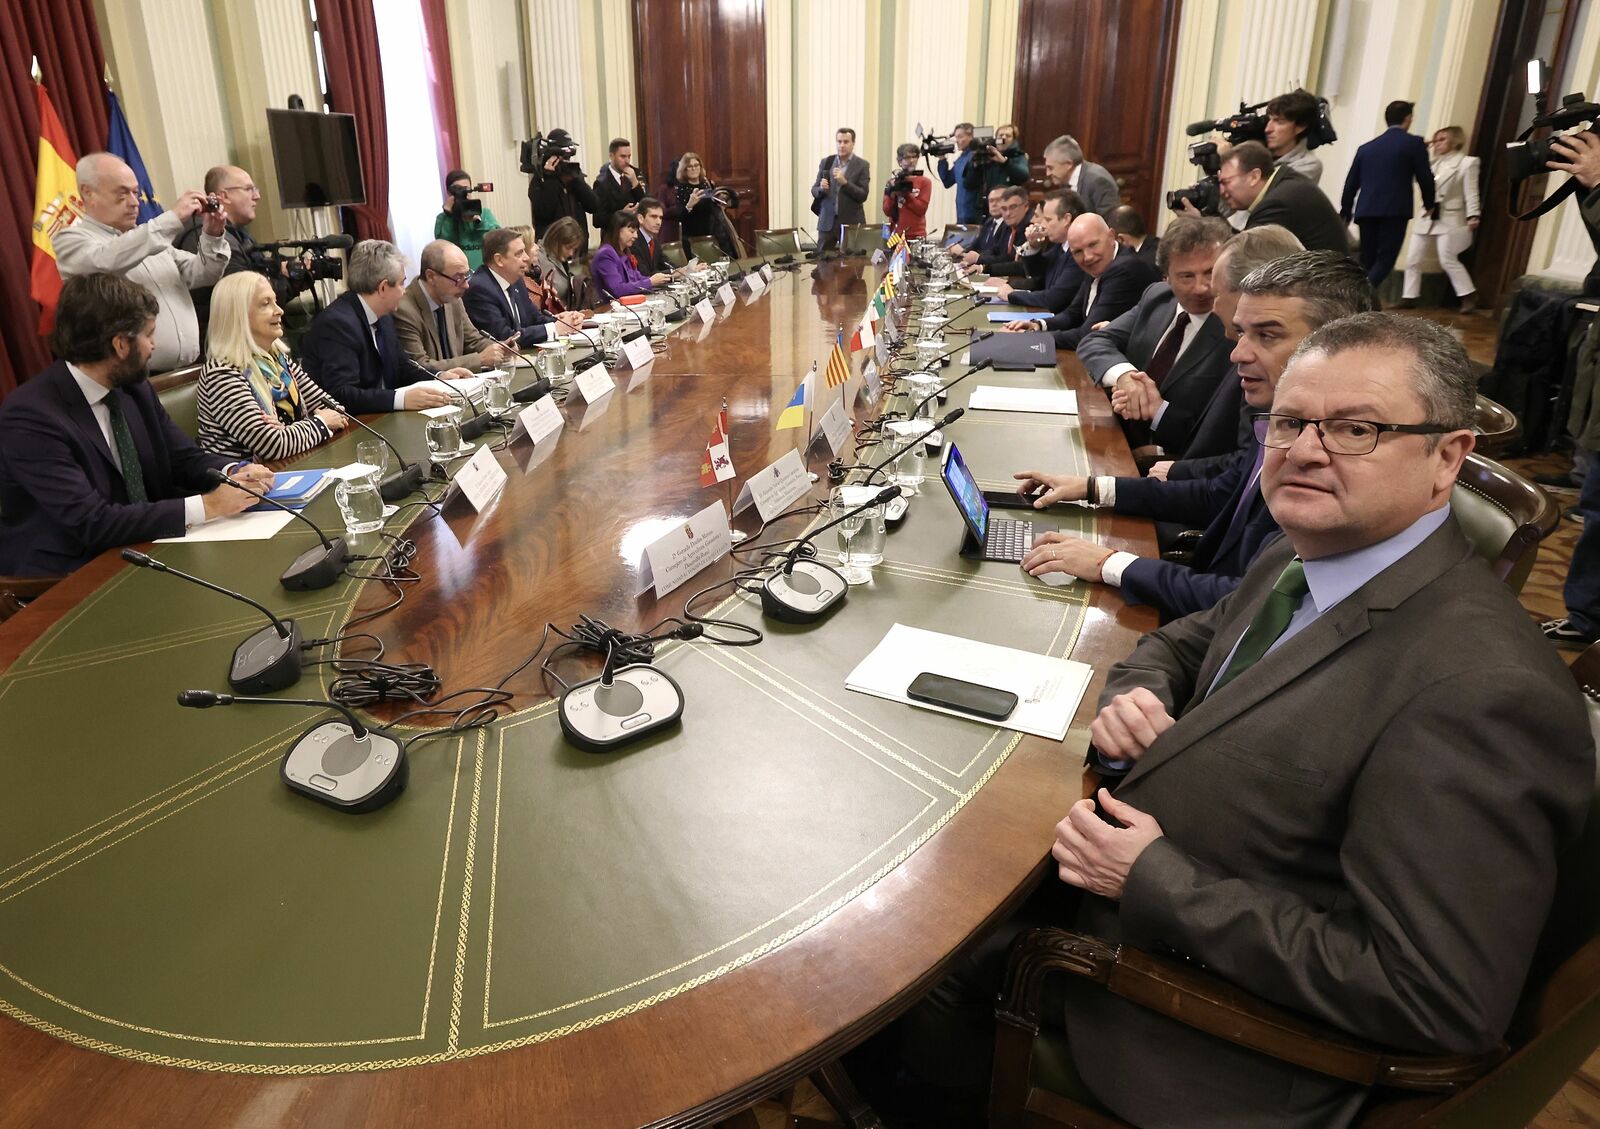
(735, 536)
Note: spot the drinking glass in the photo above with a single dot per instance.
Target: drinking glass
(861, 536)
(906, 470)
(928, 351)
(610, 340)
(360, 504)
(373, 453)
(443, 433)
(922, 386)
(497, 392)
(551, 362)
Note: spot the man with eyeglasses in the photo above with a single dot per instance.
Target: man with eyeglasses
(1348, 784)
(432, 322)
(108, 239)
(1251, 182)
(236, 190)
(1279, 305)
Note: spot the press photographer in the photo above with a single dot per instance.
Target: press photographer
(1288, 126)
(997, 161)
(464, 219)
(969, 203)
(908, 193)
(557, 187)
(232, 192)
(1293, 121)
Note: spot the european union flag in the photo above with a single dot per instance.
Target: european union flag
(121, 144)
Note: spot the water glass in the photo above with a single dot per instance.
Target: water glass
(928, 351)
(923, 386)
(610, 340)
(862, 535)
(443, 433)
(551, 363)
(497, 392)
(657, 319)
(374, 453)
(931, 329)
(906, 471)
(360, 504)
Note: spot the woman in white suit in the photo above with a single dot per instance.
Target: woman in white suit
(1455, 185)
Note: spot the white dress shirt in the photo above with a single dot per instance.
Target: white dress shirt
(372, 324)
(1108, 379)
(194, 506)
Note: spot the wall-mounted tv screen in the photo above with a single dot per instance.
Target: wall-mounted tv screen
(319, 162)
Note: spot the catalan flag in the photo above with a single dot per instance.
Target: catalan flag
(888, 286)
(716, 465)
(794, 412)
(896, 239)
(55, 207)
(838, 370)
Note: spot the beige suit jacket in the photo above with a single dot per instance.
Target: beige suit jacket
(419, 333)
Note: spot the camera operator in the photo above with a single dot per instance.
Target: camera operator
(557, 187)
(464, 219)
(953, 174)
(237, 190)
(907, 195)
(618, 187)
(997, 163)
(1289, 116)
(109, 239)
(1250, 182)
(1064, 167)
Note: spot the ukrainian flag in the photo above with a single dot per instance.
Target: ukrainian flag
(794, 413)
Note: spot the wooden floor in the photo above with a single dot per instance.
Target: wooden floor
(1577, 1106)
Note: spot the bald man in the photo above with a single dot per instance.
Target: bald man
(237, 190)
(108, 239)
(1114, 277)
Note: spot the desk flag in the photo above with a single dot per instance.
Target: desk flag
(121, 144)
(55, 207)
(716, 465)
(794, 412)
(878, 305)
(838, 370)
(862, 339)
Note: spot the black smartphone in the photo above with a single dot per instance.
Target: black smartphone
(968, 697)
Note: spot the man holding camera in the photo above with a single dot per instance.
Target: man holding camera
(997, 161)
(237, 191)
(464, 218)
(1250, 181)
(969, 202)
(617, 188)
(1064, 167)
(109, 239)
(1289, 117)
(557, 187)
(907, 195)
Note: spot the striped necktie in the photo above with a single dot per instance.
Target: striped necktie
(1270, 622)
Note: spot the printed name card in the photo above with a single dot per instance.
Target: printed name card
(755, 282)
(766, 272)
(775, 488)
(835, 425)
(538, 421)
(636, 353)
(480, 479)
(705, 311)
(725, 293)
(673, 558)
(594, 382)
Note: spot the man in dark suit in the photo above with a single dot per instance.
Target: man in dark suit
(618, 187)
(1250, 182)
(839, 190)
(1065, 167)
(1377, 190)
(432, 322)
(89, 460)
(1162, 360)
(497, 298)
(1114, 277)
(352, 349)
(997, 252)
(1129, 225)
(647, 249)
(1347, 785)
(1053, 275)
(1281, 304)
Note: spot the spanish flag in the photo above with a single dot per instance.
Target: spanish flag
(55, 207)
(794, 412)
(838, 370)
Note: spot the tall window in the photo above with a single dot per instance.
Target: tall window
(416, 182)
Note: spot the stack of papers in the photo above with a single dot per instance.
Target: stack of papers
(1050, 401)
(1048, 690)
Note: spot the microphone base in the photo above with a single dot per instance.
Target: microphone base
(529, 393)
(333, 766)
(318, 567)
(896, 509)
(402, 483)
(641, 700)
(266, 661)
(805, 594)
(476, 426)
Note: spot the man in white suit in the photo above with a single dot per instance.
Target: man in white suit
(1455, 184)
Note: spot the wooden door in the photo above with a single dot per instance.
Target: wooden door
(1100, 70)
(700, 73)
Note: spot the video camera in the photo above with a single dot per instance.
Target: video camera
(538, 149)
(938, 145)
(1525, 158)
(1206, 193)
(1250, 124)
(306, 266)
(468, 206)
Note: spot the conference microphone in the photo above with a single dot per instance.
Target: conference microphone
(322, 243)
(804, 589)
(343, 764)
(596, 354)
(938, 425)
(479, 423)
(317, 567)
(267, 660)
(405, 481)
(616, 304)
(977, 336)
(944, 389)
(623, 704)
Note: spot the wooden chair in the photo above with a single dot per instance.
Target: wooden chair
(1498, 428)
(1555, 1029)
(15, 591)
(179, 394)
(1504, 515)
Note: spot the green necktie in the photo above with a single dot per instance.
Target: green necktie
(127, 453)
(1269, 623)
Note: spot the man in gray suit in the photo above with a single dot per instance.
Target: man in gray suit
(839, 192)
(432, 322)
(1347, 784)
(1064, 167)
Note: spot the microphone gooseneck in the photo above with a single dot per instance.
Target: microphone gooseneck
(144, 560)
(205, 699)
(887, 494)
(938, 424)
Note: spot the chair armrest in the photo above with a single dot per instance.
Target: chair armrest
(1198, 999)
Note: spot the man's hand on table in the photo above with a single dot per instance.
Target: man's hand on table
(1062, 552)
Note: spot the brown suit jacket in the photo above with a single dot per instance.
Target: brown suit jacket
(1362, 827)
(419, 333)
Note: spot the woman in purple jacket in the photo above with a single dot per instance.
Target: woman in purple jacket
(613, 267)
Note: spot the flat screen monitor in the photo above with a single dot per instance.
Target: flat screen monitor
(319, 162)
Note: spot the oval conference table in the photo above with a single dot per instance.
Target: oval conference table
(531, 934)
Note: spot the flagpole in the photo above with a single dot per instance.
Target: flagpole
(808, 406)
(734, 535)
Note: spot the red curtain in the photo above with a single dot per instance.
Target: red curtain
(355, 86)
(65, 38)
(441, 83)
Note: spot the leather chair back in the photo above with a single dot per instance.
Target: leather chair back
(781, 241)
(673, 253)
(1497, 427)
(1504, 515)
(705, 248)
(863, 238)
(179, 393)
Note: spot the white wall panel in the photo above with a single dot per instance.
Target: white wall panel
(486, 61)
(935, 91)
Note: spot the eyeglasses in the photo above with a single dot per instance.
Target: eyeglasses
(459, 279)
(247, 189)
(1338, 436)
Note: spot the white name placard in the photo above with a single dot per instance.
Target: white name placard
(755, 283)
(835, 424)
(594, 382)
(725, 293)
(480, 479)
(673, 558)
(705, 311)
(538, 421)
(636, 353)
(775, 488)
(766, 272)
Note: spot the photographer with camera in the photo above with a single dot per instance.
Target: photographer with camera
(907, 195)
(464, 218)
(1064, 167)
(108, 239)
(1249, 181)
(237, 191)
(1289, 117)
(953, 174)
(997, 162)
(619, 187)
(1377, 192)
(557, 187)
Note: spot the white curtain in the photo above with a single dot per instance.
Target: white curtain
(416, 182)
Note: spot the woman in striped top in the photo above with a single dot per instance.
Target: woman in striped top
(254, 402)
